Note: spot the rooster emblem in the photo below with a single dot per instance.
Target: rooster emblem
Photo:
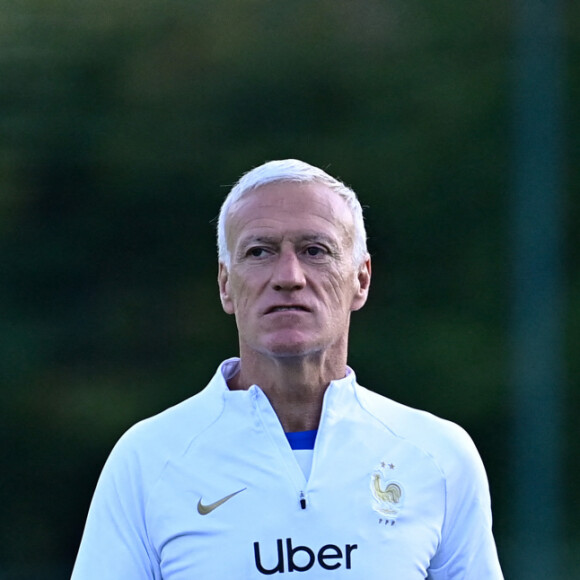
(388, 495)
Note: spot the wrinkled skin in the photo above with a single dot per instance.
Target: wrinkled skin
(292, 283)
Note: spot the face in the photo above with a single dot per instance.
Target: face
(292, 282)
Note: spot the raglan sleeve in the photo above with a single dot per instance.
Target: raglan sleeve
(115, 543)
(467, 549)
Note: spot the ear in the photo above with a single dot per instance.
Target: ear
(363, 282)
(224, 287)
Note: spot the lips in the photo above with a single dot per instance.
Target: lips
(287, 308)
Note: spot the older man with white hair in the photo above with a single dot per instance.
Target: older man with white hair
(284, 463)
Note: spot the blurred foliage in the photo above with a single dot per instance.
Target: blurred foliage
(122, 125)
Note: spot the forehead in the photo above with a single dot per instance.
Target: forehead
(288, 208)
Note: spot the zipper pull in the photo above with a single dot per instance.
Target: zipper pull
(302, 500)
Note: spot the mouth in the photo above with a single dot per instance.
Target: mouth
(287, 308)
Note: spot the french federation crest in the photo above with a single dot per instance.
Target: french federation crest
(388, 495)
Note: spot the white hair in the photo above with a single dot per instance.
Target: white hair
(297, 171)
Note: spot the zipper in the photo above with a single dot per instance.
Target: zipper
(273, 430)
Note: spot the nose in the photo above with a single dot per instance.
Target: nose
(288, 273)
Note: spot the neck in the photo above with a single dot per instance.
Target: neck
(295, 386)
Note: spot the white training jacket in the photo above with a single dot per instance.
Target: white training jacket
(210, 489)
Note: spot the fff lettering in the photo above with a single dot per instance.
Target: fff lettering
(303, 558)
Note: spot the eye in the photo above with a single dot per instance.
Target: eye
(256, 252)
(315, 251)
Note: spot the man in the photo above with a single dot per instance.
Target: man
(283, 463)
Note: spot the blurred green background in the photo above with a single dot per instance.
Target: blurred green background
(122, 126)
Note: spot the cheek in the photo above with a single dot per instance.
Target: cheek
(339, 287)
(240, 293)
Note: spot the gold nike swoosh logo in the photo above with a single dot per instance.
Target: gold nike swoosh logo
(204, 509)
